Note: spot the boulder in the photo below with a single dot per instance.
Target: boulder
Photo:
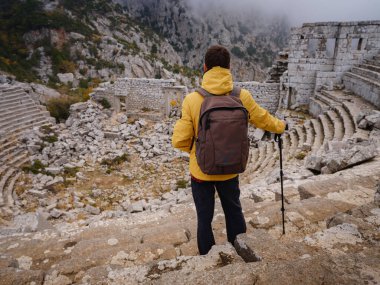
(369, 120)
(66, 77)
(44, 93)
(31, 222)
(340, 155)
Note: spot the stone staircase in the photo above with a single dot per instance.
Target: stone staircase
(18, 114)
(364, 80)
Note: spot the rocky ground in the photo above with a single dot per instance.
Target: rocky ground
(109, 203)
(96, 163)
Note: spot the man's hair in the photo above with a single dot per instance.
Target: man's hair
(217, 56)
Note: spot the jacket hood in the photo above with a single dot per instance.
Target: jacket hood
(217, 81)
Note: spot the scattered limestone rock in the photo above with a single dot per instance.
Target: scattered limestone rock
(65, 77)
(92, 210)
(25, 262)
(340, 234)
(57, 279)
(113, 241)
(369, 120)
(340, 155)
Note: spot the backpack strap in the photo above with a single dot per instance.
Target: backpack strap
(235, 92)
(203, 92)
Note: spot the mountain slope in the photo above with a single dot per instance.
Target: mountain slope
(252, 38)
(90, 39)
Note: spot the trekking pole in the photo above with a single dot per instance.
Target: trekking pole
(278, 139)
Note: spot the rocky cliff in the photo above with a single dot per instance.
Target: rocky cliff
(253, 38)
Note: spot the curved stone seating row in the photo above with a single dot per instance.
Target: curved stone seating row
(310, 133)
(6, 172)
(269, 160)
(327, 127)
(261, 157)
(364, 80)
(342, 112)
(336, 122)
(18, 113)
(338, 127)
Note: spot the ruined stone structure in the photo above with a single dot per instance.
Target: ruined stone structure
(266, 94)
(321, 53)
(134, 94)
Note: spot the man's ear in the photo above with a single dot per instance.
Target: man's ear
(205, 68)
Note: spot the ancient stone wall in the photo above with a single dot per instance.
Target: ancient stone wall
(324, 51)
(136, 94)
(265, 94)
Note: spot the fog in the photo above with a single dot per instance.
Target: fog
(301, 11)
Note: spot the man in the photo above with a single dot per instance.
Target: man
(217, 80)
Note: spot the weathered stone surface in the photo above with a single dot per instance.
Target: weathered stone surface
(92, 210)
(173, 235)
(335, 184)
(65, 77)
(12, 276)
(31, 222)
(340, 155)
(340, 234)
(369, 120)
(258, 245)
(174, 269)
(299, 213)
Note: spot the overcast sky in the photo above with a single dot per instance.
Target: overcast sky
(301, 11)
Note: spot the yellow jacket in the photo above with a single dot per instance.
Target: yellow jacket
(217, 81)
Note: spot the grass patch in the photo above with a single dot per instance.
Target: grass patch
(50, 139)
(301, 155)
(116, 161)
(181, 184)
(36, 167)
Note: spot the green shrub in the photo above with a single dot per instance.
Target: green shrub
(251, 50)
(154, 49)
(83, 83)
(237, 51)
(59, 108)
(105, 103)
(50, 139)
(181, 183)
(35, 168)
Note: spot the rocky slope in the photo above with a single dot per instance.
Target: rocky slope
(73, 43)
(253, 38)
(79, 43)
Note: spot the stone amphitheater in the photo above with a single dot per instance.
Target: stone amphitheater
(332, 195)
(20, 112)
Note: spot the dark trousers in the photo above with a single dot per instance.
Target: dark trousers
(204, 199)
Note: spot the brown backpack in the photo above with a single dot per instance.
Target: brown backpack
(222, 145)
